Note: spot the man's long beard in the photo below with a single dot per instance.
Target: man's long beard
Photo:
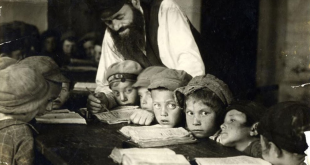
(132, 42)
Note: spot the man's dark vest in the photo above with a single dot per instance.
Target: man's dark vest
(150, 11)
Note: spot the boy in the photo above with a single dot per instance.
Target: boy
(23, 92)
(206, 98)
(282, 133)
(239, 129)
(167, 111)
(146, 115)
(121, 76)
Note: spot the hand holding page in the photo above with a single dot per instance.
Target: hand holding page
(237, 160)
(117, 115)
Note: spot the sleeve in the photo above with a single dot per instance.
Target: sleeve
(108, 57)
(177, 46)
(25, 151)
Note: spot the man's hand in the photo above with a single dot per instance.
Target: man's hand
(96, 102)
(142, 117)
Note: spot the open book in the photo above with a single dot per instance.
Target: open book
(81, 86)
(142, 156)
(61, 117)
(150, 136)
(236, 160)
(117, 115)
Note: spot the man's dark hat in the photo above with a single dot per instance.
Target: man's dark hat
(106, 8)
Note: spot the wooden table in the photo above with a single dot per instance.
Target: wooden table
(91, 144)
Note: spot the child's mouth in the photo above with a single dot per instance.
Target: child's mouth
(165, 122)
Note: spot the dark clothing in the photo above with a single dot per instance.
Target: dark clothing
(17, 143)
(254, 149)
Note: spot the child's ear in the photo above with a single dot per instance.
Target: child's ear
(254, 129)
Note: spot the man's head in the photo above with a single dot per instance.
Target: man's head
(125, 22)
(121, 76)
(167, 111)
(206, 98)
(282, 132)
(240, 124)
(143, 81)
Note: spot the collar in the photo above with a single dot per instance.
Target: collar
(10, 122)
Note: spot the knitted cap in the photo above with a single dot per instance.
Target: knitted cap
(22, 90)
(46, 66)
(252, 110)
(124, 70)
(6, 61)
(144, 77)
(170, 79)
(285, 124)
(106, 7)
(206, 81)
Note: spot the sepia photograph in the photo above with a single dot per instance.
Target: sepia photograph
(154, 82)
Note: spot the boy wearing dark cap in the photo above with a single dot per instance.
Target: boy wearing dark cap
(23, 93)
(206, 98)
(282, 133)
(167, 111)
(146, 115)
(239, 129)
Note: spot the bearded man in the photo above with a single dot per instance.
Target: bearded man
(152, 33)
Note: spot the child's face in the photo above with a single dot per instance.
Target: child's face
(234, 129)
(125, 94)
(146, 101)
(52, 94)
(62, 97)
(167, 112)
(200, 118)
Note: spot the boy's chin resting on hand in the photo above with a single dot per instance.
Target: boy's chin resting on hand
(142, 117)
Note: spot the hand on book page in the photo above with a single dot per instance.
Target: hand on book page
(150, 159)
(117, 153)
(236, 160)
(117, 115)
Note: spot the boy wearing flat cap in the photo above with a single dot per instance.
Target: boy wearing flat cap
(204, 100)
(239, 129)
(145, 116)
(121, 76)
(48, 68)
(167, 111)
(150, 32)
(23, 92)
(282, 133)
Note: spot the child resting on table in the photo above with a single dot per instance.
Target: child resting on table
(282, 133)
(239, 129)
(23, 93)
(206, 98)
(167, 111)
(145, 116)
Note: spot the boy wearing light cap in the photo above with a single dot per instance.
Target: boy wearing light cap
(48, 68)
(121, 76)
(204, 100)
(23, 92)
(167, 111)
(146, 115)
(282, 133)
(239, 129)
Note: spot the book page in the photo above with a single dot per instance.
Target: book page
(118, 153)
(237, 160)
(162, 159)
(121, 114)
(61, 118)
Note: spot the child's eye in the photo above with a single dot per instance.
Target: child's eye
(172, 106)
(190, 113)
(128, 91)
(232, 120)
(116, 93)
(204, 113)
(155, 105)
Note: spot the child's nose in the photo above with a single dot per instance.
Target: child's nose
(163, 111)
(143, 100)
(123, 97)
(196, 120)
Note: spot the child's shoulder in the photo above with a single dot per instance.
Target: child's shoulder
(254, 149)
(14, 127)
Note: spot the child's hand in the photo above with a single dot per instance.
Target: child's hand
(142, 117)
(97, 102)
